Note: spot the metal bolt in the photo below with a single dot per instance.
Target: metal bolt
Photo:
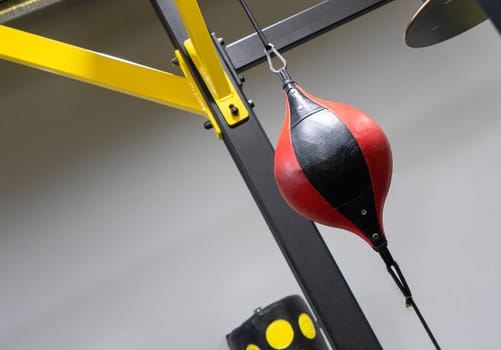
(258, 310)
(251, 103)
(221, 41)
(242, 78)
(234, 110)
(375, 236)
(208, 125)
(363, 211)
(174, 62)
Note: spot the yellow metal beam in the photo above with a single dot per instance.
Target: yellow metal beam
(184, 67)
(100, 69)
(202, 51)
(200, 38)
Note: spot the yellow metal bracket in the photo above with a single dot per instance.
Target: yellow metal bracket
(189, 77)
(203, 53)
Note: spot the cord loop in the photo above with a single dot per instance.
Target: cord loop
(271, 50)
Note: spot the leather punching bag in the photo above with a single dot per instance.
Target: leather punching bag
(333, 164)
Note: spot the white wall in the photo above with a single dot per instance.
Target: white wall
(124, 224)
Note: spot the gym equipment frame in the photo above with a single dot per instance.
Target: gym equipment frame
(492, 8)
(211, 87)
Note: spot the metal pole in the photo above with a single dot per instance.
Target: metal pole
(492, 9)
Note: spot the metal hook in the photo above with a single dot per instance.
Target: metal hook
(271, 49)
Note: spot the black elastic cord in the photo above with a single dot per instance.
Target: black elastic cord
(398, 277)
(256, 26)
(425, 325)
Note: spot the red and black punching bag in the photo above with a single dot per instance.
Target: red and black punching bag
(333, 164)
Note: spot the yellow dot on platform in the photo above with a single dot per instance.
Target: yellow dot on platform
(252, 347)
(279, 334)
(307, 326)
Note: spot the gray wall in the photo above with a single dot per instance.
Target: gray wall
(125, 225)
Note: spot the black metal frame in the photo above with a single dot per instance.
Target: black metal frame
(492, 9)
(323, 284)
(248, 51)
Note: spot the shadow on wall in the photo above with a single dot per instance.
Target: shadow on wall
(53, 129)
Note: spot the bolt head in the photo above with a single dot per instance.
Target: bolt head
(208, 125)
(234, 110)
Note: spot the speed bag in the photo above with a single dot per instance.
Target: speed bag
(333, 164)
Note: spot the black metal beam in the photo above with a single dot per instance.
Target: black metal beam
(492, 9)
(310, 260)
(248, 51)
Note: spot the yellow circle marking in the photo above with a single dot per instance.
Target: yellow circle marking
(307, 326)
(279, 334)
(252, 347)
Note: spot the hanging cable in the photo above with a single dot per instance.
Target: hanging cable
(398, 277)
(269, 48)
(256, 26)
